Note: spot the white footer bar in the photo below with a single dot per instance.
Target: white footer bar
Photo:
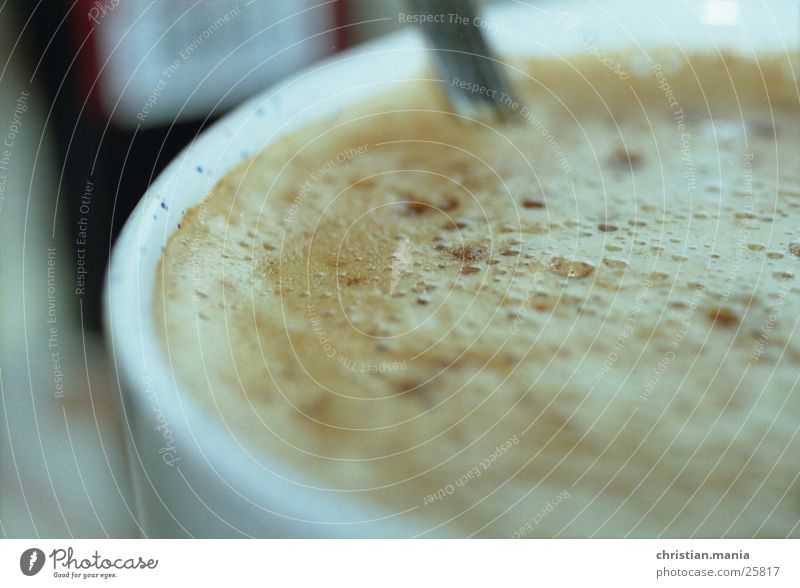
(401, 563)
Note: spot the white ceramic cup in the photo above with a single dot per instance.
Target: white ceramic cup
(192, 476)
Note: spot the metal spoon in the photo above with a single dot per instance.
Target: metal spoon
(473, 80)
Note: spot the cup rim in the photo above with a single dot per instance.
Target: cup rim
(134, 344)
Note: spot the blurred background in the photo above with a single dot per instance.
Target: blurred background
(96, 97)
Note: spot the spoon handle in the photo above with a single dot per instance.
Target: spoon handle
(471, 75)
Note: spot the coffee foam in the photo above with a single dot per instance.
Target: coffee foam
(604, 287)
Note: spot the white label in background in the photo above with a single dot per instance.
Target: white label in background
(166, 60)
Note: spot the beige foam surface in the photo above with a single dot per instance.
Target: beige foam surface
(582, 322)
